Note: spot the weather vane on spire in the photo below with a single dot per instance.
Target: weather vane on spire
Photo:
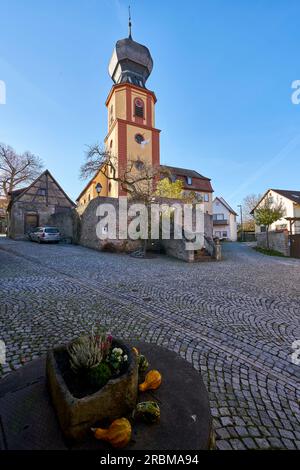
(129, 24)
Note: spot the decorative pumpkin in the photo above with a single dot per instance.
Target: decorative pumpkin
(143, 363)
(149, 411)
(118, 434)
(152, 381)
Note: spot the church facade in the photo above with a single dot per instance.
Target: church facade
(132, 135)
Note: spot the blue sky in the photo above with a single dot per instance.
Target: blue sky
(222, 75)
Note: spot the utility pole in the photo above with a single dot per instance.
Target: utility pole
(242, 227)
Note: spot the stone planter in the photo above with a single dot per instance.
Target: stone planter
(77, 415)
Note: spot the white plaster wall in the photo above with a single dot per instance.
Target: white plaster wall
(231, 228)
(289, 207)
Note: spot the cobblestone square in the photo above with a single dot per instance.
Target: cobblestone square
(235, 321)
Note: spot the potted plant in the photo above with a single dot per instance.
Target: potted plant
(92, 379)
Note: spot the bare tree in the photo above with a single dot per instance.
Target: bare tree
(137, 179)
(249, 203)
(17, 169)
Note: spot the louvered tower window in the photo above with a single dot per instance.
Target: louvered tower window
(139, 108)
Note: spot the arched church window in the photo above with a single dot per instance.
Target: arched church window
(139, 165)
(139, 107)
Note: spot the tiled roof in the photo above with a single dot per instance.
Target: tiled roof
(289, 194)
(183, 172)
(222, 200)
(17, 192)
(199, 182)
(292, 195)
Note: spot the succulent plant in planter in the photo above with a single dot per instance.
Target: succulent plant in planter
(93, 359)
(84, 391)
(88, 351)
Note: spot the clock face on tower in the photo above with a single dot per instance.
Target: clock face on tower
(139, 138)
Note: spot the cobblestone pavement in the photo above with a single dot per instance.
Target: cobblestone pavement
(235, 321)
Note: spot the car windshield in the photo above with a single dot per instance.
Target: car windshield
(51, 230)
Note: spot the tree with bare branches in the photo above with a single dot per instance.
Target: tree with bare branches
(137, 179)
(17, 169)
(249, 203)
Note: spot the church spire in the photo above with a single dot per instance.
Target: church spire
(129, 23)
(131, 62)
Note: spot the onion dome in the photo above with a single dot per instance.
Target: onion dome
(131, 62)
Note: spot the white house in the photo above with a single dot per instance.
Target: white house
(291, 204)
(224, 220)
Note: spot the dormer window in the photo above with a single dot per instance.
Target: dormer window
(139, 108)
(189, 180)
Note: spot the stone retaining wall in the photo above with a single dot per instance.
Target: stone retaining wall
(278, 241)
(80, 225)
(68, 224)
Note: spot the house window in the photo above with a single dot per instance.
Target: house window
(199, 197)
(41, 192)
(263, 229)
(189, 180)
(139, 108)
(206, 197)
(218, 217)
(218, 234)
(224, 234)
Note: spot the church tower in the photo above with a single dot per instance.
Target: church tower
(132, 135)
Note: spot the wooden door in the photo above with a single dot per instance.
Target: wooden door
(31, 221)
(295, 246)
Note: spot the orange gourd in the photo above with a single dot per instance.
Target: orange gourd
(118, 434)
(152, 381)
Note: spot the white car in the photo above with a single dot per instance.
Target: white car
(44, 234)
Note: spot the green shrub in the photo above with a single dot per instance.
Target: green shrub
(99, 375)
